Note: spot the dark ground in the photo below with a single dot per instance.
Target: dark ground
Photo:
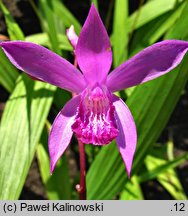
(177, 125)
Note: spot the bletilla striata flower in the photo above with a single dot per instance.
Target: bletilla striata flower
(95, 115)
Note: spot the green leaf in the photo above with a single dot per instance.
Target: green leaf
(154, 30)
(15, 33)
(95, 2)
(120, 32)
(162, 168)
(57, 185)
(167, 24)
(39, 38)
(8, 73)
(150, 11)
(20, 130)
(48, 10)
(65, 15)
(180, 29)
(40, 15)
(42, 39)
(165, 174)
(60, 98)
(132, 190)
(103, 172)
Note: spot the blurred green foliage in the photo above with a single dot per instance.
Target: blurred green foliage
(25, 124)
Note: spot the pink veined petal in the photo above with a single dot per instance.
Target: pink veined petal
(93, 50)
(127, 137)
(44, 65)
(148, 64)
(61, 131)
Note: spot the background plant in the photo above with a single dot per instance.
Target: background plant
(26, 121)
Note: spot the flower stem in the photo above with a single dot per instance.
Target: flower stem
(81, 187)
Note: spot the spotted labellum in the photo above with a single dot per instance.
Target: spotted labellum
(95, 114)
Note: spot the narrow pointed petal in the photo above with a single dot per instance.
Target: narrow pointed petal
(127, 137)
(149, 64)
(61, 131)
(93, 50)
(44, 65)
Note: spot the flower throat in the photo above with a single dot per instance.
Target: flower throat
(95, 122)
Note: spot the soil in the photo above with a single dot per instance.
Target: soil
(177, 127)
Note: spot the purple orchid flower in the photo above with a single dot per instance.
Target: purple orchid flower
(95, 115)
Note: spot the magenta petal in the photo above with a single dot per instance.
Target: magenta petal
(93, 50)
(149, 64)
(61, 131)
(44, 65)
(127, 137)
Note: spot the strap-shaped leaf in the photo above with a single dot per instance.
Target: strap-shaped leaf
(8, 73)
(42, 39)
(155, 29)
(66, 16)
(14, 31)
(20, 130)
(150, 11)
(165, 174)
(95, 2)
(120, 32)
(132, 190)
(58, 186)
(50, 28)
